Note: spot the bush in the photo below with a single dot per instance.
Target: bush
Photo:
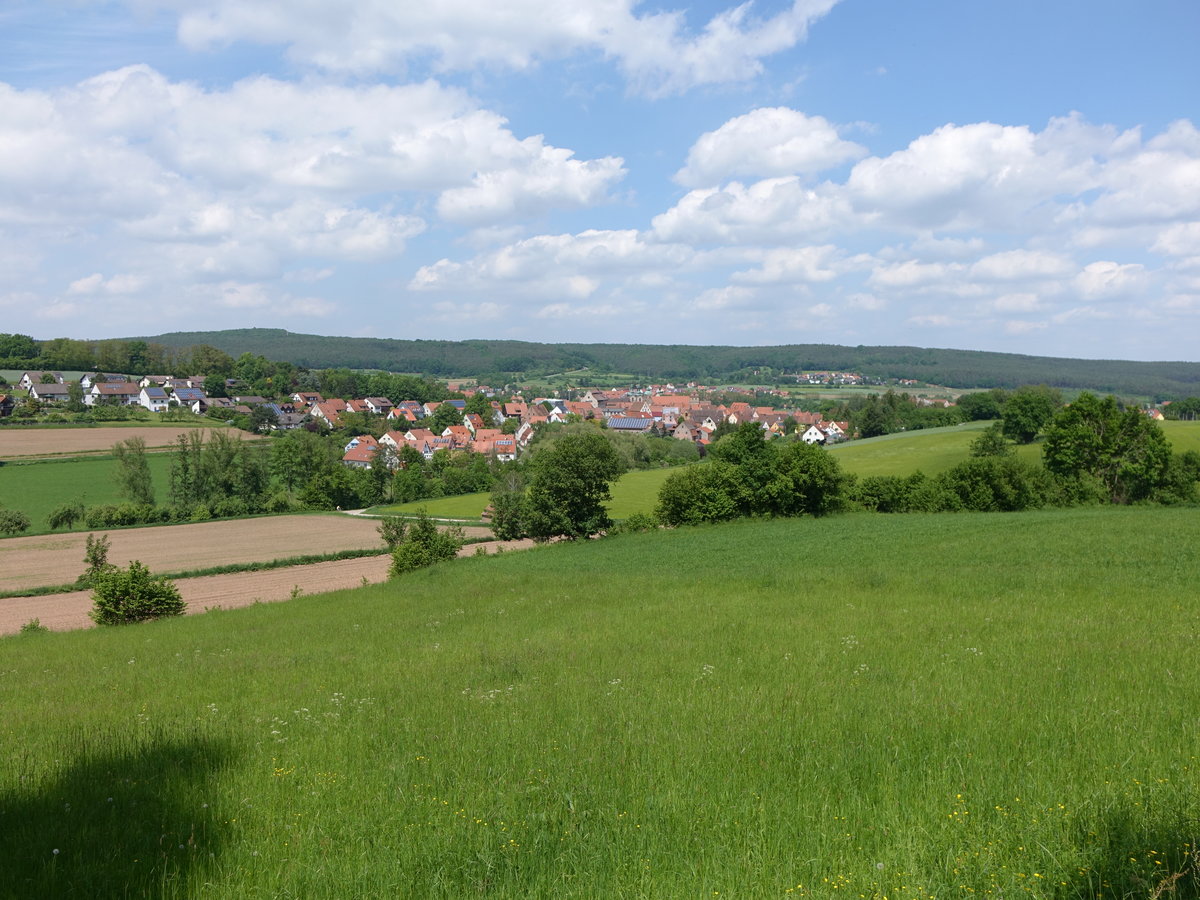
(424, 546)
(13, 522)
(34, 626)
(393, 530)
(637, 523)
(124, 596)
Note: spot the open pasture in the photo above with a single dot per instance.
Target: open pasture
(38, 488)
(39, 443)
(866, 706)
(52, 559)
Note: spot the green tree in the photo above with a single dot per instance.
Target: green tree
(124, 596)
(1123, 450)
(481, 405)
(700, 494)
(569, 485)
(425, 545)
(991, 442)
(443, 417)
(13, 521)
(133, 471)
(65, 515)
(812, 481)
(1027, 411)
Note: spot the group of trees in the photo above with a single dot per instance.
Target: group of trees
(749, 475)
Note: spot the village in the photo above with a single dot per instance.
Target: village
(481, 422)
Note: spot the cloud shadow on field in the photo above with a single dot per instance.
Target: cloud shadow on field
(112, 823)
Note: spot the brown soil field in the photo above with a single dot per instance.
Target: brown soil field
(50, 559)
(63, 612)
(35, 443)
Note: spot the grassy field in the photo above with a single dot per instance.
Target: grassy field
(633, 492)
(930, 450)
(37, 488)
(867, 706)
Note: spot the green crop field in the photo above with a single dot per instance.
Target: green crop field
(866, 706)
(37, 488)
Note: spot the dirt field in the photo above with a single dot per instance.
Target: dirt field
(63, 612)
(34, 443)
(50, 559)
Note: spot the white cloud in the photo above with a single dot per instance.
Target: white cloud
(772, 211)
(549, 265)
(766, 143)
(1021, 265)
(656, 50)
(800, 264)
(1106, 280)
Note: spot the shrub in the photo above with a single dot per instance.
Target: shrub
(424, 546)
(639, 522)
(13, 521)
(34, 626)
(123, 596)
(393, 530)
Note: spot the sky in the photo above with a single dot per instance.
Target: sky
(1012, 175)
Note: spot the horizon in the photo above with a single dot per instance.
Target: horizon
(837, 172)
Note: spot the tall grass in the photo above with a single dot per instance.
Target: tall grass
(910, 706)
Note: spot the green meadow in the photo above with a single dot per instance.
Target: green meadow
(633, 492)
(918, 706)
(37, 488)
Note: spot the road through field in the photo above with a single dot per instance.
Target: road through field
(64, 612)
(52, 559)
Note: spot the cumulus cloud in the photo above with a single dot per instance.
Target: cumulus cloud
(569, 264)
(657, 51)
(766, 143)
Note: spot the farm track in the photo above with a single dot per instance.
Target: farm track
(45, 560)
(68, 611)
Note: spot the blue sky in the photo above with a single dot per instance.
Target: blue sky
(1018, 176)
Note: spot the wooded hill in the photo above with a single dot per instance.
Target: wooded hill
(475, 358)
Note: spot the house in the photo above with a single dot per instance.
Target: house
(6, 405)
(50, 393)
(402, 414)
(29, 379)
(460, 436)
(154, 399)
(290, 421)
(473, 422)
(813, 435)
(306, 398)
(361, 452)
(189, 397)
(328, 411)
(91, 379)
(380, 406)
(630, 425)
(119, 393)
(156, 380)
(252, 400)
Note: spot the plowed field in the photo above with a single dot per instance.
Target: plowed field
(46, 560)
(34, 443)
(62, 612)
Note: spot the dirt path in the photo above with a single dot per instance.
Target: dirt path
(64, 612)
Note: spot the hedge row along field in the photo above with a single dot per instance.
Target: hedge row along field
(910, 706)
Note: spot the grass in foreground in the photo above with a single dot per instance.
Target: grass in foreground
(904, 706)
